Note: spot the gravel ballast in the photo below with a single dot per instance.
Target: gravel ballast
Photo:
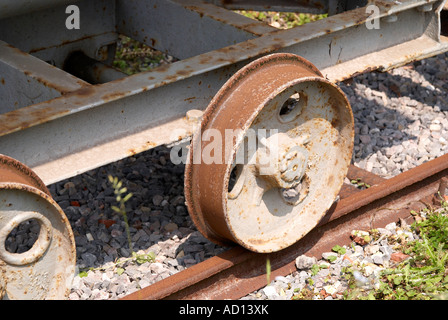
(401, 121)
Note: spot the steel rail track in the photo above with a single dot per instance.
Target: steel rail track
(237, 272)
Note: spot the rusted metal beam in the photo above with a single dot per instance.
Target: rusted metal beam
(238, 272)
(27, 80)
(95, 125)
(201, 27)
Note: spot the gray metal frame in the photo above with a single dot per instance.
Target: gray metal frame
(61, 126)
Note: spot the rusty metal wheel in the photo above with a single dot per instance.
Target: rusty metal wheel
(270, 156)
(46, 268)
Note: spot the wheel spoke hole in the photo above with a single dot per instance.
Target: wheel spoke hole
(22, 238)
(292, 107)
(233, 178)
(236, 181)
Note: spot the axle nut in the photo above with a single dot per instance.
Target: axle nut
(282, 162)
(293, 165)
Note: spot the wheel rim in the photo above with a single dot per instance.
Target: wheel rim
(275, 202)
(12, 170)
(46, 269)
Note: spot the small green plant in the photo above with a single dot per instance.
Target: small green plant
(284, 20)
(82, 274)
(122, 198)
(435, 229)
(359, 183)
(119, 192)
(338, 249)
(132, 56)
(303, 294)
(315, 268)
(268, 270)
(422, 277)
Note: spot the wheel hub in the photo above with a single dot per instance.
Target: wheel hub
(281, 162)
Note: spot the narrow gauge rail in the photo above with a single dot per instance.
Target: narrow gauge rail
(237, 272)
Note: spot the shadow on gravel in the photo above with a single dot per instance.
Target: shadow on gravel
(394, 112)
(158, 217)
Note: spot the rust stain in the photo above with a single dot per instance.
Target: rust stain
(12, 170)
(190, 99)
(183, 72)
(335, 122)
(63, 43)
(162, 68)
(83, 92)
(170, 78)
(147, 145)
(114, 95)
(205, 59)
(160, 84)
(50, 84)
(259, 241)
(357, 73)
(250, 45)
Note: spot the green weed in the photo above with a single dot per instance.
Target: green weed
(422, 277)
(122, 198)
(132, 56)
(284, 20)
(359, 183)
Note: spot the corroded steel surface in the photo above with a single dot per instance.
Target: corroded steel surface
(313, 146)
(45, 270)
(12, 170)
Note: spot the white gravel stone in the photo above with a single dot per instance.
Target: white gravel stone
(270, 292)
(305, 262)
